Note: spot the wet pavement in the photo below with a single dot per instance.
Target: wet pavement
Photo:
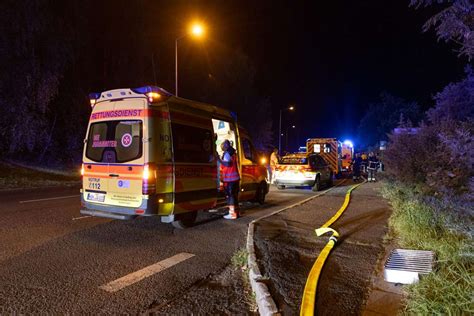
(287, 248)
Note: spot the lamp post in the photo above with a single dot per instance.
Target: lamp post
(197, 31)
(290, 108)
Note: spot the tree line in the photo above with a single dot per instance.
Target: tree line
(54, 53)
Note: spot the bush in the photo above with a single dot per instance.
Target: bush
(439, 158)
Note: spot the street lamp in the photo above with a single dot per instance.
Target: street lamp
(197, 31)
(290, 108)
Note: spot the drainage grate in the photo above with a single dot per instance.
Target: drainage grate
(404, 266)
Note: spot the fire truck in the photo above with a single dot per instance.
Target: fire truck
(336, 153)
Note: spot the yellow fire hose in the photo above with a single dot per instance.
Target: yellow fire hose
(309, 294)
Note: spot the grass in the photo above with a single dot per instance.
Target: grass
(419, 225)
(239, 262)
(239, 259)
(13, 176)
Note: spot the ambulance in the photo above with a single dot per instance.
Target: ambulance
(148, 152)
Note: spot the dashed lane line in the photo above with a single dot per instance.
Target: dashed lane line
(80, 217)
(144, 273)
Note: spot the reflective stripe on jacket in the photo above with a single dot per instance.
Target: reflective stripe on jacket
(230, 173)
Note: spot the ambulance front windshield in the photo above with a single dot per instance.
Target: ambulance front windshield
(115, 141)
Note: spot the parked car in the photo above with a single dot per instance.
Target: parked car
(301, 169)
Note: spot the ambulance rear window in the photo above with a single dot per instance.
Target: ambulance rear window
(115, 141)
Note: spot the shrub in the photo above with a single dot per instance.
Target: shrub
(439, 159)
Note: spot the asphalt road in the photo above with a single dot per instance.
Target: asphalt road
(53, 260)
(289, 237)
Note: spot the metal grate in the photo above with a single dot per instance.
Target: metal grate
(404, 266)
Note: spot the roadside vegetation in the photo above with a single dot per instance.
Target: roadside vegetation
(14, 176)
(430, 186)
(429, 178)
(239, 264)
(419, 222)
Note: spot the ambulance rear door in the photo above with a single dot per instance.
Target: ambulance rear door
(115, 154)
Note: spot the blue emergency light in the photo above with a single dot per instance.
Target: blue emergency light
(349, 143)
(93, 97)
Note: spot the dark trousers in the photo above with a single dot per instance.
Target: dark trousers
(371, 174)
(231, 190)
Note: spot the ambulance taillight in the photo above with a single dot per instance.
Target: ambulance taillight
(82, 170)
(149, 179)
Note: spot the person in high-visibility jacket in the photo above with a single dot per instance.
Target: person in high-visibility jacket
(230, 177)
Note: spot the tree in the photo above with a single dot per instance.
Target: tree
(33, 58)
(455, 102)
(382, 117)
(440, 157)
(455, 23)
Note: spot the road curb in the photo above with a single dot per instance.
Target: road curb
(266, 304)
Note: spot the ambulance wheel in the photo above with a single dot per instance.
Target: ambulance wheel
(261, 193)
(184, 220)
(280, 187)
(317, 184)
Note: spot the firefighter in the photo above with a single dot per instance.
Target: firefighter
(274, 160)
(230, 177)
(356, 164)
(364, 162)
(372, 167)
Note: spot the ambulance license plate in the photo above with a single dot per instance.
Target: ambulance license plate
(98, 197)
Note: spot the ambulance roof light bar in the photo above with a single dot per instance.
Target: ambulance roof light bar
(93, 98)
(152, 92)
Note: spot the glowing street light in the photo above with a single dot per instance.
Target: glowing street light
(196, 30)
(289, 108)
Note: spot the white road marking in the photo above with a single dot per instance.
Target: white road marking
(81, 217)
(146, 272)
(48, 199)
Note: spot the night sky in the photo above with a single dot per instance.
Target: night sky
(331, 59)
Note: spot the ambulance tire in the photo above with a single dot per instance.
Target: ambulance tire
(185, 220)
(281, 187)
(317, 184)
(261, 193)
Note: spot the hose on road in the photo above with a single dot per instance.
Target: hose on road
(309, 294)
